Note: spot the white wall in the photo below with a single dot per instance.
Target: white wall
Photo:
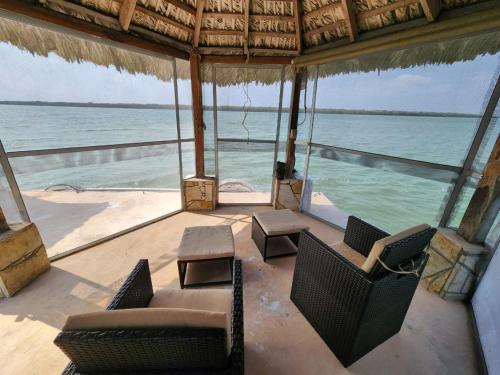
(486, 305)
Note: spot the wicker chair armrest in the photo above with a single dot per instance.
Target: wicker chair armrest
(136, 291)
(328, 256)
(361, 236)
(237, 334)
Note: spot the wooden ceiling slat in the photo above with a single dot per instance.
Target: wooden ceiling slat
(272, 34)
(222, 32)
(247, 26)
(297, 10)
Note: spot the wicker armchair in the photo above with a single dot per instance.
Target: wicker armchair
(352, 310)
(169, 350)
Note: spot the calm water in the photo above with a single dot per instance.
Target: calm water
(386, 198)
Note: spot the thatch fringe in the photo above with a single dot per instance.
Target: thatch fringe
(447, 52)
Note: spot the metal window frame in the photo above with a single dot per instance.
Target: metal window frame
(309, 136)
(466, 169)
(463, 171)
(216, 132)
(14, 188)
(5, 156)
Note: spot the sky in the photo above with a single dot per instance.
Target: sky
(460, 87)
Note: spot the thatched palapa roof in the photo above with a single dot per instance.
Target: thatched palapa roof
(240, 31)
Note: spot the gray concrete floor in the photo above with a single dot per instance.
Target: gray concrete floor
(436, 337)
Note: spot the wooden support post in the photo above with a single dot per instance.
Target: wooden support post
(484, 204)
(292, 122)
(197, 24)
(194, 62)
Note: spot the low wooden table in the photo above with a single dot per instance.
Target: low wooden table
(204, 255)
(277, 225)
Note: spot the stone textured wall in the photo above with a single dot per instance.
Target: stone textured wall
(22, 258)
(287, 193)
(453, 265)
(199, 194)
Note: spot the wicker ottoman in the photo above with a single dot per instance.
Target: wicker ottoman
(206, 256)
(277, 225)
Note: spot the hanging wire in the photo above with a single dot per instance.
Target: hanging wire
(305, 99)
(246, 106)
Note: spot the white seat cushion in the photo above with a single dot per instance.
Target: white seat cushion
(379, 245)
(213, 300)
(209, 242)
(280, 222)
(349, 253)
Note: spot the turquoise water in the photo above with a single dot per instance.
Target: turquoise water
(389, 199)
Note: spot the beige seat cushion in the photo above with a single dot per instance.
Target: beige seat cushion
(349, 253)
(147, 318)
(379, 245)
(280, 222)
(206, 243)
(215, 300)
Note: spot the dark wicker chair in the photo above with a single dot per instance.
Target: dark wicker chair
(153, 351)
(354, 311)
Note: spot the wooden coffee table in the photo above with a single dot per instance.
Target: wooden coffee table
(206, 256)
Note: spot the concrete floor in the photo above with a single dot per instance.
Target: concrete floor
(436, 337)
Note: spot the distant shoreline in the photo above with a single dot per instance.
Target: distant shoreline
(237, 108)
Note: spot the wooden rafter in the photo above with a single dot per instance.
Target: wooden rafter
(247, 25)
(254, 17)
(67, 22)
(318, 12)
(126, 12)
(222, 32)
(297, 10)
(273, 34)
(386, 8)
(349, 10)
(167, 20)
(431, 9)
(200, 6)
(184, 6)
(258, 60)
(327, 28)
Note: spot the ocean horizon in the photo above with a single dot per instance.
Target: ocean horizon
(400, 199)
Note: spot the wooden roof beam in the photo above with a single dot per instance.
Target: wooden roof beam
(255, 17)
(327, 28)
(184, 6)
(320, 11)
(297, 10)
(71, 24)
(247, 26)
(159, 17)
(386, 8)
(200, 5)
(126, 12)
(258, 60)
(222, 32)
(431, 9)
(272, 34)
(349, 10)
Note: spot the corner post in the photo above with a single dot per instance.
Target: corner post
(194, 63)
(292, 122)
